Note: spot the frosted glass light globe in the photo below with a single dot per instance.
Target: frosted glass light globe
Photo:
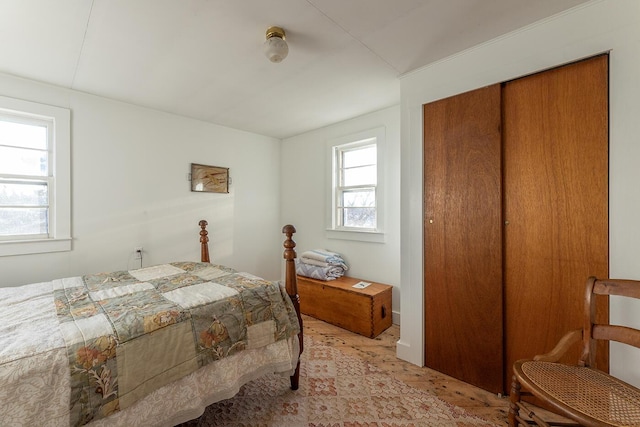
(275, 49)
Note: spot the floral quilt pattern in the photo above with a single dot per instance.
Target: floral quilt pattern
(128, 333)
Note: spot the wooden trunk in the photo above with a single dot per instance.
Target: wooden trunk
(364, 311)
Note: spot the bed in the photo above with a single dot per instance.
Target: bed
(152, 346)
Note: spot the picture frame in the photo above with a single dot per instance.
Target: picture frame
(209, 179)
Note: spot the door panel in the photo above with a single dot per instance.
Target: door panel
(555, 133)
(463, 240)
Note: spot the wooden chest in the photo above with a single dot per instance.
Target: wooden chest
(365, 311)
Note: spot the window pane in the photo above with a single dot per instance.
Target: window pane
(24, 194)
(360, 176)
(360, 157)
(359, 217)
(23, 135)
(360, 199)
(23, 221)
(20, 161)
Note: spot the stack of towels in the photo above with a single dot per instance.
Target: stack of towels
(321, 264)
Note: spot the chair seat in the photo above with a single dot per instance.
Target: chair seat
(584, 390)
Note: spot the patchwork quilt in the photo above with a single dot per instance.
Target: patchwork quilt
(79, 349)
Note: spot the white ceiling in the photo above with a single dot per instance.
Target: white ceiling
(203, 58)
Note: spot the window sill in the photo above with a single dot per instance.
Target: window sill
(361, 236)
(26, 247)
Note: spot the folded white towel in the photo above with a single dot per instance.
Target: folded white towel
(321, 255)
(317, 272)
(312, 261)
(323, 258)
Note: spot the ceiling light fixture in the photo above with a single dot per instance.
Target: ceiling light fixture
(275, 48)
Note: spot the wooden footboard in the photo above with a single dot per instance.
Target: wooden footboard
(291, 284)
(290, 279)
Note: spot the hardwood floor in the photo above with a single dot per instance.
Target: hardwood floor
(381, 352)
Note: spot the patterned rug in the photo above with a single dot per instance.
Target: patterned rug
(336, 390)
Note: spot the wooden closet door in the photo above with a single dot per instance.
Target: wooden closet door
(462, 237)
(555, 132)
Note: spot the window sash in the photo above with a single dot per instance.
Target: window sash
(42, 212)
(344, 215)
(359, 218)
(26, 161)
(342, 191)
(348, 214)
(14, 185)
(59, 139)
(28, 121)
(335, 228)
(36, 226)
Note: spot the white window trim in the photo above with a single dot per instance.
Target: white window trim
(377, 235)
(60, 228)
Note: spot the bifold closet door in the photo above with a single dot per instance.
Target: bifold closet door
(462, 237)
(555, 133)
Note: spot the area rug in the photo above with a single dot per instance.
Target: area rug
(336, 390)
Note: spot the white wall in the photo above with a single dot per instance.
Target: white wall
(598, 26)
(306, 185)
(129, 169)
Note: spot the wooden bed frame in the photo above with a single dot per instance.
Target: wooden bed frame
(290, 279)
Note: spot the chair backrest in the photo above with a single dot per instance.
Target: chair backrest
(592, 330)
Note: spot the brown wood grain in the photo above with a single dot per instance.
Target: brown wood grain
(291, 286)
(364, 311)
(544, 181)
(463, 237)
(204, 241)
(555, 132)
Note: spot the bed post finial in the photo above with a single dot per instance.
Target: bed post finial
(289, 244)
(291, 284)
(290, 279)
(204, 241)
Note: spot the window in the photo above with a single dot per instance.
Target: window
(34, 178)
(357, 196)
(356, 179)
(25, 179)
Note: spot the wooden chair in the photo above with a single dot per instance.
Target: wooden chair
(581, 393)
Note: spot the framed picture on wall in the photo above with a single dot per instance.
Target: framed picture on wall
(210, 179)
